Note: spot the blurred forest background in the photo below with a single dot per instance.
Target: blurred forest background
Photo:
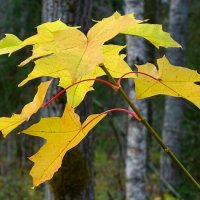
(119, 160)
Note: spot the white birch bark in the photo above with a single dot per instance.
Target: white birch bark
(173, 115)
(136, 136)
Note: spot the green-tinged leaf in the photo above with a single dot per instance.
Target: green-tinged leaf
(9, 44)
(153, 33)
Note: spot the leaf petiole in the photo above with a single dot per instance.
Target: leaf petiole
(119, 80)
(115, 87)
(133, 114)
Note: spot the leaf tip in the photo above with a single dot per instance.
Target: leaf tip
(20, 84)
(117, 15)
(21, 64)
(4, 135)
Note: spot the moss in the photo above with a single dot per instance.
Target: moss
(72, 178)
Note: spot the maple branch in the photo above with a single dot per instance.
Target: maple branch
(150, 128)
(119, 80)
(84, 80)
(133, 114)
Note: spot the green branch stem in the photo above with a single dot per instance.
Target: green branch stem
(150, 129)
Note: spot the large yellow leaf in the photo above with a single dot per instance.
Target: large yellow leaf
(65, 52)
(114, 63)
(69, 52)
(61, 134)
(77, 54)
(172, 80)
(7, 124)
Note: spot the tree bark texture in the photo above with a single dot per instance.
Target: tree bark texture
(173, 114)
(136, 136)
(74, 13)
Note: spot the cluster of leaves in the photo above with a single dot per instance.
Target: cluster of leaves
(64, 52)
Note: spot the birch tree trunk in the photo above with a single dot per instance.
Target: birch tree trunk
(173, 115)
(136, 136)
(74, 13)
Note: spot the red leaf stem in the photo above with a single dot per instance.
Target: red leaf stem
(84, 80)
(119, 80)
(133, 114)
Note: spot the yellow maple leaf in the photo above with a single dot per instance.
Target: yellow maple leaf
(70, 52)
(114, 63)
(61, 134)
(171, 80)
(7, 124)
(65, 52)
(78, 54)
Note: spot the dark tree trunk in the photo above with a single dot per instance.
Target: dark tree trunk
(74, 13)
